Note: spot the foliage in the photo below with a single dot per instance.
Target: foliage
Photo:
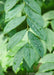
(27, 36)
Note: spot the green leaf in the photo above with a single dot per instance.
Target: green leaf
(52, 24)
(40, 2)
(14, 50)
(47, 58)
(50, 39)
(44, 45)
(17, 60)
(37, 29)
(16, 39)
(34, 16)
(36, 22)
(47, 73)
(46, 24)
(49, 15)
(10, 4)
(30, 55)
(13, 24)
(12, 13)
(33, 5)
(37, 44)
(46, 67)
(19, 45)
